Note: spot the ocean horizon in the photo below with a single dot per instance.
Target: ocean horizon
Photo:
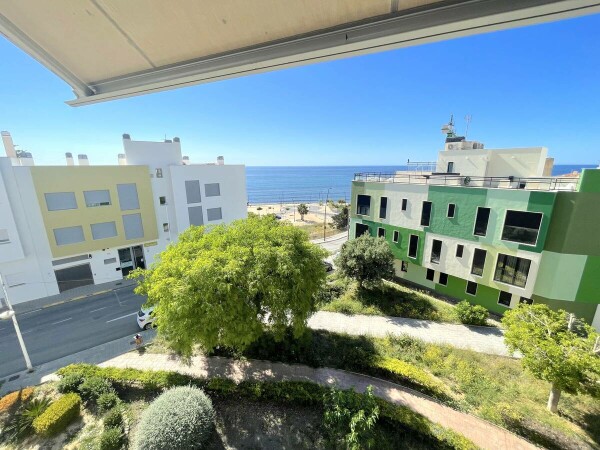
(310, 184)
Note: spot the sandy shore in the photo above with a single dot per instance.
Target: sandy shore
(289, 212)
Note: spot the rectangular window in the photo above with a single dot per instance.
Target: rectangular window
(97, 198)
(4, 236)
(443, 279)
(504, 298)
(69, 235)
(159, 173)
(404, 204)
(110, 261)
(512, 270)
(59, 201)
(381, 232)
(363, 205)
(451, 209)
(192, 191)
(103, 230)
(162, 200)
(361, 229)
(430, 274)
(128, 196)
(471, 288)
(450, 167)
(383, 208)
(413, 246)
(404, 266)
(522, 226)
(436, 251)
(525, 301)
(396, 236)
(478, 262)
(213, 214)
(426, 214)
(195, 215)
(212, 189)
(165, 227)
(481, 221)
(132, 223)
(459, 250)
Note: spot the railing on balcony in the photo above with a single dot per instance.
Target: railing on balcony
(530, 184)
(421, 166)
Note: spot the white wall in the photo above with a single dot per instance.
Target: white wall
(11, 250)
(153, 154)
(411, 218)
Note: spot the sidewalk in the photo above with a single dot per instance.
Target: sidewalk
(479, 339)
(482, 433)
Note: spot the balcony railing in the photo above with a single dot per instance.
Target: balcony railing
(530, 184)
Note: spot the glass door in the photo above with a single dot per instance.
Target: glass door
(138, 257)
(126, 261)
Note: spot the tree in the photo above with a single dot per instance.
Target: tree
(340, 220)
(553, 350)
(302, 210)
(223, 286)
(366, 259)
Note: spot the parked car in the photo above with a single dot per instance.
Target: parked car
(145, 318)
(327, 266)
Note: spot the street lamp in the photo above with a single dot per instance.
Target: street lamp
(10, 314)
(325, 221)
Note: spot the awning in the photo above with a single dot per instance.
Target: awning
(108, 49)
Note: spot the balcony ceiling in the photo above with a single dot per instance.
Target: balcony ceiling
(108, 49)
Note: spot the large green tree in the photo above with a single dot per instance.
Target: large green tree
(222, 286)
(340, 220)
(366, 259)
(302, 210)
(555, 348)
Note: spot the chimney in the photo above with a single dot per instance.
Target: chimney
(220, 161)
(126, 137)
(8, 145)
(122, 159)
(69, 157)
(186, 160)
(83, 160)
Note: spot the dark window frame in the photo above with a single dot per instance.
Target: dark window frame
(410, 241)
(478, 270)
(525, 301)
(443, 276)
(395, 236)
(460, 248)
(382, 207)
(404, 266)
(361, 208)
(514, 270)
(365, 230)
(505, 236)
(500, 294)
(436, 256)
(487, 221)
(470, 283)
(426, 213)
(451, 215)
(404, 204)
(430, 272)
(381, 232)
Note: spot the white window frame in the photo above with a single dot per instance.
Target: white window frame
(384, 234)
(521, 243)
(395, 236)
(502, 304)
(448, 211)
(401, 205)
(475, 222)
(473, 259)
(476, 288)
(408, 247)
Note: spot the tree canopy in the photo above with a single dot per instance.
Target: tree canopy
(222, 286)
(340, 220)
(366, 259)
(302, 210)
(554, 351)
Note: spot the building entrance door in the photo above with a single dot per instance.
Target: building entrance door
(131, 258)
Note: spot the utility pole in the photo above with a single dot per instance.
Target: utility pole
(11, 314)
(325, 221)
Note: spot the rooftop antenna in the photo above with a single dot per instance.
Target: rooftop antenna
(468, 118)
(448, 129)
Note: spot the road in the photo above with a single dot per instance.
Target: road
(62, 330)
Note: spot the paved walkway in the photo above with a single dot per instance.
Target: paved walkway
(482, 433)
(480, 339)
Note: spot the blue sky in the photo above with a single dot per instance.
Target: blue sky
(524, 87)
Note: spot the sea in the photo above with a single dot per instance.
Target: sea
(314, 184)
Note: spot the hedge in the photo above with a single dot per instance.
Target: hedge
(15, 399)
(290, 392)
(58, 415)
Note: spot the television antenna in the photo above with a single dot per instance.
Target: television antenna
(468, 119)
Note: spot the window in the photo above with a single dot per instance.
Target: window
(471, 288)
(504, 298)
(459, 250)
(426, 214)
(59, 201)
(481, 221)
(404, 266)
(451, 210)
(128, 196)
(381, 232)
(110, 261)
(103, 230)
(363, 205)
(133, 226)
(4, 236)
(404, 204)
(162, 200)
(159, 173)
(195, 215)
(383, 208)
(213, 214)
(395, 237)
(361, 229)
(522, 226)
(450, 167)
(512, 270)
(96, 198)
(436, 251)
(212, 189)
(443, 279)
(525, 301)
(413, 246)
(192, 191)
(430, 274)
(69, 235)
(478, 262)
(165, 227)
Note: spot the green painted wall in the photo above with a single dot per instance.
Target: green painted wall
(589, 287)
(399, 249)
(585, 311)
(590, 181)
(375, 190)
(541, 202)
(417, 274)
(558, 266)
(486, 296)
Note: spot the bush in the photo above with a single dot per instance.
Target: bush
(107, 401)
(12, 401)
(22, 422)
(111, 439)
(366, 259)
(471, 314)
(70, 383)
(181, 418)
(58, 415)
(114, 419)
(93, 387)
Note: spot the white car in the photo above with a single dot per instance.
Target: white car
(145, 318)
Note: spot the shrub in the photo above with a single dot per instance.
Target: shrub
(471, 314)
(366, 259)
(181, 418)
(114, 418)
(107, 401)
(58, 415)
(22, 422)
(111, 439)
(12, 401)
(93, 387)
(70, 383)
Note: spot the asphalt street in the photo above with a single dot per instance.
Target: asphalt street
(61, 330)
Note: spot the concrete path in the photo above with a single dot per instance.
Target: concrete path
(482, 433)
(480, 339)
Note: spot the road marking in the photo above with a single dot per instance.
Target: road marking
(61, 321)
(94, 310)
(29, 312)
(122, 317)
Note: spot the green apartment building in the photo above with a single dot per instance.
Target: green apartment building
(489, 226)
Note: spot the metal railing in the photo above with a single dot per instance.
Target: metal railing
(530, 184)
